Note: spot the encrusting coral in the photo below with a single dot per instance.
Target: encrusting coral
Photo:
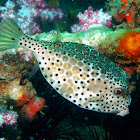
(15, 88)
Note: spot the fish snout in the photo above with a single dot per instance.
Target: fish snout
(123, 112)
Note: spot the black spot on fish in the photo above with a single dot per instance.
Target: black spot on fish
(12, 39)
(74, 101)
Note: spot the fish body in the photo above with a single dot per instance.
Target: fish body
(78, 72)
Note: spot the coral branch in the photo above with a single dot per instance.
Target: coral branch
(91, 19)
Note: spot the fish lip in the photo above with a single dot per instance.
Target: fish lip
(123, 112)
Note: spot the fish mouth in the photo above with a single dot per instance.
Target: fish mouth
(123, 112)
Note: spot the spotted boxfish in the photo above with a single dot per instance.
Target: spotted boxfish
(76, 71)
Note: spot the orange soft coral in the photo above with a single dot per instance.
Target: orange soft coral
(130, 45)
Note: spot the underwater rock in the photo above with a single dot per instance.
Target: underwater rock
(13, 78)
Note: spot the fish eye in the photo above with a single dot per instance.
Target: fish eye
(118, 90)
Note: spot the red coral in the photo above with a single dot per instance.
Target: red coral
(126, 13)
(124, 1)
(32, 107)
(121, 16)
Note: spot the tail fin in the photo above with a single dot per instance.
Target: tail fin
(10, 34)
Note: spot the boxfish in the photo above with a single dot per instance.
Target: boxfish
(76, 71)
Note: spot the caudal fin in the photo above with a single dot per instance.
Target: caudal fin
(10, 34)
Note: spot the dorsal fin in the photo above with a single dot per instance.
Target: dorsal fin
(58, 35)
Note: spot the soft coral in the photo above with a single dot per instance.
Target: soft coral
(129, 44)
(32, 107)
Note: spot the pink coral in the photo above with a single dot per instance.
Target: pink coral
(10, 117)
(91, 19)
(25, 11)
